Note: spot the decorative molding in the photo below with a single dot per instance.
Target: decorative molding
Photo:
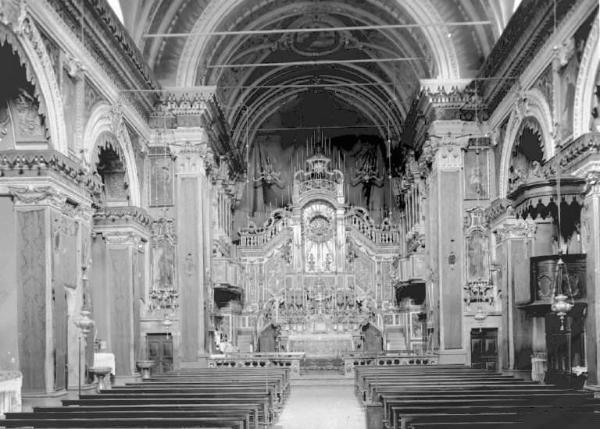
(499, 208)
(586, 82)
(21, 32)
(575, 156)
(122, 216)
(38, 195)
(515, 229)
(109, 119)
(24, 163)
(525, 104)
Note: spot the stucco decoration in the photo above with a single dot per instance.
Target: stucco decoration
(528, 104)
(587, 80)
(18, 29)
(109, 119)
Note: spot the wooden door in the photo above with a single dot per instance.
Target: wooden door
(160, 350)
(484, 348)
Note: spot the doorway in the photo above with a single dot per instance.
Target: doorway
(160, 350)
(484, 348)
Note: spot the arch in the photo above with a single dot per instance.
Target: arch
(104, 120)
(586, 82)
(25, 37)
(531, 104)
(443, 51)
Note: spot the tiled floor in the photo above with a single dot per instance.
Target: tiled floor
(322, 403)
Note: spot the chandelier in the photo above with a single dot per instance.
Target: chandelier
(561, 303)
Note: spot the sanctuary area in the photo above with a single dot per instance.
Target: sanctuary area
(300, 214)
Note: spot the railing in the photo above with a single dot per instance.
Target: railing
(290, 361)
(385, 234)
(10, 392)
(352, 361)
(259, 237)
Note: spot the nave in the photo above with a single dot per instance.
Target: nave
(244, 197)
(378, 397)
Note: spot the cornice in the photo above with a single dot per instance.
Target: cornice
(121, 217)
(108, 41)
(497, 209)
(33, 164)
(543, 192)
(526, 47)
(104, 64)
(583, 150)
(199, 108)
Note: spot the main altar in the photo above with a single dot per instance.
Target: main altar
(317, 275)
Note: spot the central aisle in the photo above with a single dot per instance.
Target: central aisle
(322, 402)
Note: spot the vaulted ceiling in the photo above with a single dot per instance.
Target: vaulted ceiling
(378, 88)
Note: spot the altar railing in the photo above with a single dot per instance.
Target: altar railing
(290, 361)
(10, 392)
(355, 360)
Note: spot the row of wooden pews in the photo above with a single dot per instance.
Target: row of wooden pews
(451, 396)
(235, 398)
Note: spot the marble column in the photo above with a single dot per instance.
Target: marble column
(42, 229)
(121, 239)
(193, 239)
(446, 245)
(512, 253)
(590, 220)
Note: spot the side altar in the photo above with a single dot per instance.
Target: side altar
(317, 277)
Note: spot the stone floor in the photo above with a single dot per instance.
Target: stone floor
(322, 402)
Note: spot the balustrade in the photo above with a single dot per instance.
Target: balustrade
(258, 360)
(354, 360)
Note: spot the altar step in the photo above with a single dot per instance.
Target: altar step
(324, 379)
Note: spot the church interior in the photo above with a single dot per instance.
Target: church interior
(300, 214)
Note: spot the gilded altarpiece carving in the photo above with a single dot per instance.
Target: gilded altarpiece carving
(317, 271)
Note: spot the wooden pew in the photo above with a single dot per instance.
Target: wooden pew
(425, 396)
(229, 398)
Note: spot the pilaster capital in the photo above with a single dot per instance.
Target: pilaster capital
(444, 152)
(192, 158)
(515, 229)
(50, 196)
(118, 237)
(37, 195)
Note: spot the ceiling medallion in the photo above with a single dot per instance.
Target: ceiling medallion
(315, 44)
